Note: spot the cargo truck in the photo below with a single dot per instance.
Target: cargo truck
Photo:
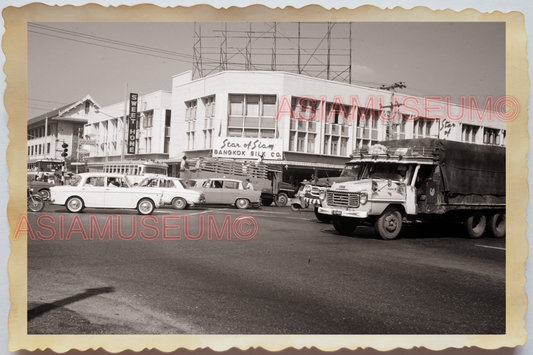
(421, 180)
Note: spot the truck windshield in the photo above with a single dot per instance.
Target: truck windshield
(352, 171)
(392, 171)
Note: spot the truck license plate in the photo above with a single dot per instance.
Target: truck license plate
(336, 212)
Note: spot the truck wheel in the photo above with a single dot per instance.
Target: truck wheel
(324, 218)
(496, 225)
(282, 199)
(344, 225)
(475, 224)
(267, 201)
(389, 224)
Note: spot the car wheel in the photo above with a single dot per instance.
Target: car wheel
(496, 225)
(145, 206)
(45, 194)
(475, 224)
(282, 199)
(324, 218)
(179, 203)
(242, 203)
(389, 224)
(74, 204)
(344, 225)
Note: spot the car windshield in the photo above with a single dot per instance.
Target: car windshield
(352, 171)
(148, 182)
(75, 180)
(392, 171)
(183, 184)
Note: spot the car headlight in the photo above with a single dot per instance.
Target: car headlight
(322, 194)
(307, 188)
(364, 198)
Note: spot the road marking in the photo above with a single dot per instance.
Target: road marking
(486, 246)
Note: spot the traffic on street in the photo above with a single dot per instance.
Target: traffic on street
(270, 270)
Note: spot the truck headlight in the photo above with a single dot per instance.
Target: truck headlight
(322, 194)
(364, 198)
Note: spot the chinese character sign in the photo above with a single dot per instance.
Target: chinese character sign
(132, 125)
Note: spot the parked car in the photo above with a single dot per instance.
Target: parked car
(175, 191)
(222, 191)
(105, 190)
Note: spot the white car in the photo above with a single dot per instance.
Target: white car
(175, 191)
(105, 190)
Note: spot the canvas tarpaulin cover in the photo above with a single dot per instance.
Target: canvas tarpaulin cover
(466, 168)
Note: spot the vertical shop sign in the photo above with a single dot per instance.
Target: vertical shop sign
(132, 124)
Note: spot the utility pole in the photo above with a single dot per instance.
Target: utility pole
(389, 130)
(124, 125)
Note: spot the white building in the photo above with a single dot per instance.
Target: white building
(314, 123)
(47, 132)
(105, 132)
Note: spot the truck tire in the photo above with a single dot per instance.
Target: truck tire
(344, 225)
(282, 199)
(496, 225)
(267, 201)
(324, 218)
(389, 224)
(475, 224)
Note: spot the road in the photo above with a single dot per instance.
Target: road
(294, 276)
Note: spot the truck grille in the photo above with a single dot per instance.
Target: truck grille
(343, 198)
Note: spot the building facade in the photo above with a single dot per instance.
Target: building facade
(315, 122)
(104, 134)
(48, 132)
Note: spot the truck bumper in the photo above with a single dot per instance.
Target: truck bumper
(305, 202)
(343, 213)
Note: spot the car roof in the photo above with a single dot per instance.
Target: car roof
(101, 174)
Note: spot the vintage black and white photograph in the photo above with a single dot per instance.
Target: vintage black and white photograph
(308, 178)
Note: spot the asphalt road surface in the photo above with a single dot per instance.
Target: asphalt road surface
(171, 275)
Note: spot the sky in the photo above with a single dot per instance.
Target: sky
(70, 60)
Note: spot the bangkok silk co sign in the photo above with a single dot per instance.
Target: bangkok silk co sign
(248, 148)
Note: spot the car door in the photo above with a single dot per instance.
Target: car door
(92, 191)
(119, 195)
(230, 192)
(213, 191)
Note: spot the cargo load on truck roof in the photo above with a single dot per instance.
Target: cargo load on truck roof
(466, 168)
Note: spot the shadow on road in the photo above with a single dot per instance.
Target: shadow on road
(47, 307)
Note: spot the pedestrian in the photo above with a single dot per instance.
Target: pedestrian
(184, 169)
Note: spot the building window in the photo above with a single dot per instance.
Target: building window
(29, 150)
(367, 126)
(468, 133)
(493, 136)
(87, 106)
(209, 104)
(47, 148)
(252, 116)
(148, 142)
(148, 118)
